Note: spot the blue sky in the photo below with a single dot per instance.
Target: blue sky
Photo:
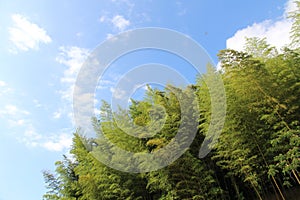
(44, 43)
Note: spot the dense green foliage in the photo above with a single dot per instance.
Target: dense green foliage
(257, 155)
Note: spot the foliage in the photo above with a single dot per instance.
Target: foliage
(256, 155)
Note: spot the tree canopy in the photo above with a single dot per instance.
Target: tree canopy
(257, 155)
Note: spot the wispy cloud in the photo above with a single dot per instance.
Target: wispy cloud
(120, 22)
(2, 84)
(26, 35)
(4, 88)
(73, 58)
(37, 103)
(54, 142)
(109, 36)
(20, 124)
(30, 137)
(276, 32)
(103, 18)
(14, 123)
(58, 143)
(57, 114)
(118, 93)
(182, 10)
(13, 111)
(105, 84)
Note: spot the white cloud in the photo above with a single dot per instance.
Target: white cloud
(20, 124)
(105, 84)
(109, 36)
(37, 104)
(73, 58)
(25, 132)
(30, 137)
(14, 123)
(276, 32)
(57, 114)
(79, 34)
(120, 22)
(103, 18)
(54, 142)
(32, 134)
(2, 84)
(12, 111)
(118, 93)
(58, 143)
(51, 143)
(4, 88)
(26, 35)
(290, 6)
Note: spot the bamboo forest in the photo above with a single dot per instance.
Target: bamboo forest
(257, 155)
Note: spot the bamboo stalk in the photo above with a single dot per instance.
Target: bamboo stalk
(296, 176)
(282, 196)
